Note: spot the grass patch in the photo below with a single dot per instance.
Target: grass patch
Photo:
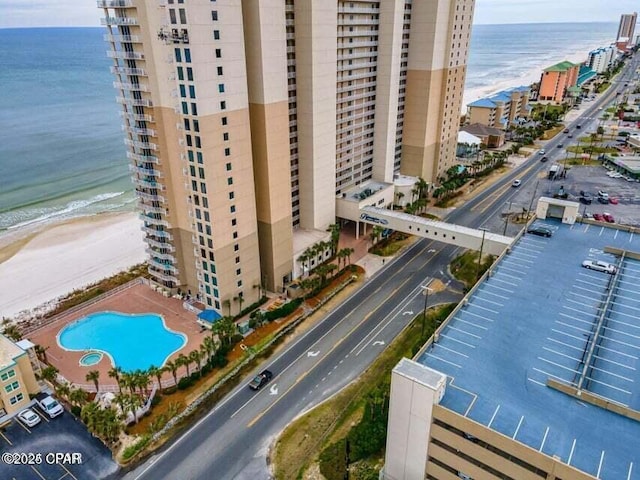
(465, 267)
(391, 245)
(552, 132)
(603, 86)
(303, 440)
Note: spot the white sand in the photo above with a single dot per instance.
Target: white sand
(69, 256)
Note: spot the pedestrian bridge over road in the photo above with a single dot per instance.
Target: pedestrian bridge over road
(465, 237)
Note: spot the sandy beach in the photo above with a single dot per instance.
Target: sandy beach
(39, 267)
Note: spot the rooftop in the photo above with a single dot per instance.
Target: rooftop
(533, 320)
(628, 162)
(363, 191)
(9, 351)
(502, 96)
(481, 130)
(560, 67)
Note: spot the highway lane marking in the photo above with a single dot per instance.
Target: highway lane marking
(3, 436)
(37, 472)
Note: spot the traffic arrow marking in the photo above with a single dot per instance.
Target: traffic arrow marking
(313, 354)
(274, 389)
(378, 342)
(408, 312)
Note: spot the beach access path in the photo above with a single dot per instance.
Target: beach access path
(66, 257)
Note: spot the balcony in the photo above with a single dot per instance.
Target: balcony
(125, 55)
(162, 245)
(354, 107)
(347, 22)
(136, 72)
(143, 158)
(163, 256)
(147, 184)
(137, 118)
(139, 144)
(151, 209)
(170, 279)
(152, 221)
(150, 197)
(149, 132)
(115, 4)
(134, 102)
(122, 38)
(156, 233)
(119, 21)
(145, 171)
(356, 66)
(130, 87)
(160, 265)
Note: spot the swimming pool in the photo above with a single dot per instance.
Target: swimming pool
(91, 359)
(132, 341)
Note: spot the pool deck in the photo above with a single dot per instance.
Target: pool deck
(534, 319)
(136, 299)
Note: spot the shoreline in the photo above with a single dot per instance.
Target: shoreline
(38, 268)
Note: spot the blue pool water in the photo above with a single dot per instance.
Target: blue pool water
(90, 359)
(133, 341)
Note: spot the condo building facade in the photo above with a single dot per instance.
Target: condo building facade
(17, 380)
(626, 30)
(501, 110)
(246, 120)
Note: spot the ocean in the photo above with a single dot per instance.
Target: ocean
(61, 144)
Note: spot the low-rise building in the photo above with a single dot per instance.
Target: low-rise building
(17, 380)
(491, 137)
(502, 109)
(556, 80)
(627, 165)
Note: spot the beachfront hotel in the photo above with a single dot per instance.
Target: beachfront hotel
(626, 30)
(534, 374)
(502, 109)
(556, 81)
(17, 380)
(246, 120)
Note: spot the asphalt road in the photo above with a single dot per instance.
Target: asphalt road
(232, 440)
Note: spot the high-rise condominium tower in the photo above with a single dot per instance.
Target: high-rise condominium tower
(627, 26)
(246, 118)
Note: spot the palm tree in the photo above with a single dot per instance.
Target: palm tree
(50, 374)
(334, 228)
(209, 347)
(77, 396)
(227, 303)
(303, 258)
(133, 403)
(12, 332)
(63, 390)
(376, 233)
(121, 400)
(93, 376)
(196, 357)
(348, 252)
(41, 352)
(185, 362)
(173, 368)
(89, 415)
(115, 372)
(422, 187)
(157, 372)
(142, 381)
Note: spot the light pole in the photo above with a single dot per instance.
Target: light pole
(426, 302)
(484, 231)
(506, 221)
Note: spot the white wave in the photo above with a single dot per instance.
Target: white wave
(69, 208)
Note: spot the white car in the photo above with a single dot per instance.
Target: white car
(541, 151)
(516, 183)
(29, 417)
(599, 266)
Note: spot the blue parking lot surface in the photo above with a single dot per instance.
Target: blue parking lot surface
(541, 315)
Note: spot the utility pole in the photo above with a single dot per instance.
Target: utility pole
(484, 231)
(506, 221)
(426, 302)
(533, 197)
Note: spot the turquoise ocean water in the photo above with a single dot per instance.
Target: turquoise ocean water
(61, 144)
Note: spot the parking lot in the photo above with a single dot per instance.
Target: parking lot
(61, 435)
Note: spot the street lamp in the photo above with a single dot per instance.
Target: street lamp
(506, 221)
(484, 231)
(426, 301)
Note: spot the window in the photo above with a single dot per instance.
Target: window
(180, 73)
(185, 108)
(183, 91)
(192, 91)
(223, 105)
(199, 157)
(236, 247)
(230, 181)
(239, 271)
(198, 143)
(239, 282)
(12, 386)
(218, 53)
(232, 195)
(232, 209)
(225, 136)
(7, 375)
(228, 167)
(183, 16)
(194, 109)
(224, 120)
(178, 54)
(219, 70)
(237, 259)
(235, 235)
(227, 152)
(172, 16)
(214, 15)
(203, 187)
(216, 34)
(190, 74)
(16, 399)
(187, 55)
(196, 126)
(221, 87)
(234, 222)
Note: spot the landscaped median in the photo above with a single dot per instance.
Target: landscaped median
(356, 416)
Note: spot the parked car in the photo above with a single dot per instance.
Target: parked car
(598, 217)
(609, 218)
(585, 198)
(261, 380)
(516, 183)
(613, 200)
(599, 266)
(29, 417)
(540, 231)
(603, 194)
(49, 405)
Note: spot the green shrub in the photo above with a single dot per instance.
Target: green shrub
(132, 450)
(184, 383)
(75, 410)
(284, 310)
(333, 461)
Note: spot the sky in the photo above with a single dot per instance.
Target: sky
(79, 13)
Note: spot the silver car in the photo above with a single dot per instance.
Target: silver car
(29, 417)
(599, 266)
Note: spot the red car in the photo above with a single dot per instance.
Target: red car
(608, 217)
(598, 216)
(613, 201)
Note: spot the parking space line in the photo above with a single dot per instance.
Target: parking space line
(578, 311)
(481, 307)
(630, 471)
(625, 314)
(3, 436)
(565, 344)
(451, 350)
(621, 332)
(622, 289)
(41, 415)
(500, 288)
(444, 335)
(558, 365)
(470, 323)
(549, 374)
(509, 260)
(629, 299)
(572, 327)
(537, 382)
(612, 374)
(544, 439)
(601, 284)
(620, 322)
(576, 319)
(466, 333)
(495, 278)
(518, 427)
(503, 267)
(585, 304)
(577, 287)
(475, 315)
(484, 290)
(520, 252)
(494, 416)
(610, 386)
(23, 426)
(623, 305)
(37, 472)
(582, 339)
(489, 301)
(580, 295)
(628, 367)
(561, 354)
(621, 342)
(573, 447)
(442, 360)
